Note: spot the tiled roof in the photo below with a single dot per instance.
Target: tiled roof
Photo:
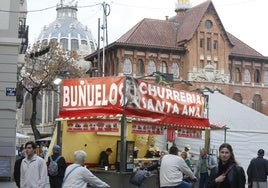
(163, 33)
(240, 48)
(151, 32)
(190, 21)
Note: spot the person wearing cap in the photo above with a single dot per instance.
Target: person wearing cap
(104, 157)
(257, 171)
(56, 180)
(187, 150)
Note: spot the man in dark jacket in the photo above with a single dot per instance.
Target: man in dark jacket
(257, 171)
(17, 168)
(104, 157)
(56, 180)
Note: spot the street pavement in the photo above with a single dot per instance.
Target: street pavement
(7, 184)
(11, 184)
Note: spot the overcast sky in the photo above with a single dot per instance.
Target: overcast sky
(245, 19)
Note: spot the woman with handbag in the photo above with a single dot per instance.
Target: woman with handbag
(227, 174)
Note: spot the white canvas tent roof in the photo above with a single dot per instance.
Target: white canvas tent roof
(236, 116)
(21, 136)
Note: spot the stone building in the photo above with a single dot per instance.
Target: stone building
(13, 38)
(193, 46)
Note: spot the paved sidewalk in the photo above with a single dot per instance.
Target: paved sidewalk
(11, 184)
(7, 184)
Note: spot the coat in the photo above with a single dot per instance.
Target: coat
(33, 173)
(235, 178)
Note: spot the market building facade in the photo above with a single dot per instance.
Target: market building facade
(192, 46)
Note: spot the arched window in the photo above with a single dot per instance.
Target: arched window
(64, 43)
(237, 97)
(140, 68)
(92, 47)
(237, 75)
(257, 102)
(265, 77)
(151, 67)
(163, 67)
(84, 42)
(257, 76)
(127, 69)
(53, 40)
(247, 76)
(74, 44)
(175, 70)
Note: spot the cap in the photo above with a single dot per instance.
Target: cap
(56, 148)
(260, 152)
(136, 148)
(188, 146)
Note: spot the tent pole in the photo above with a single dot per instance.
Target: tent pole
(207, 140)
(123, 152)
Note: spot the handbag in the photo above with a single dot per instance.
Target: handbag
(225, 173)
(138, 177)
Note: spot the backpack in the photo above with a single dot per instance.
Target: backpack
(53, 166)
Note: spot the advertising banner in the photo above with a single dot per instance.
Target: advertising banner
(147, 102)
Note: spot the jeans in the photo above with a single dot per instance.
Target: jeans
(183, 184)
(203, 181)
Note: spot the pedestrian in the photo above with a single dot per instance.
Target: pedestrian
(77, 176)
(104, 157)
(44, 149)
(228, 174)
(33, 171)
(185, 157)
(203, 167)
(186, 149)
(21, 149)
(38, 151)
(257, 171)
(17, 168)
(56, 178)
(172, 169)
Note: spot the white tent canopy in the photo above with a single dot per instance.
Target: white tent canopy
(21, 136)
(45, 139)
(236, 116)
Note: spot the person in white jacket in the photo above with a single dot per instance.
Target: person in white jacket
(33, 169)
(172, 169)
(77, 176)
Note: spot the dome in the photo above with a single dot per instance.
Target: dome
(67, 30)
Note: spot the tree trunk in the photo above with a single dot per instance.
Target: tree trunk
(36, 132)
